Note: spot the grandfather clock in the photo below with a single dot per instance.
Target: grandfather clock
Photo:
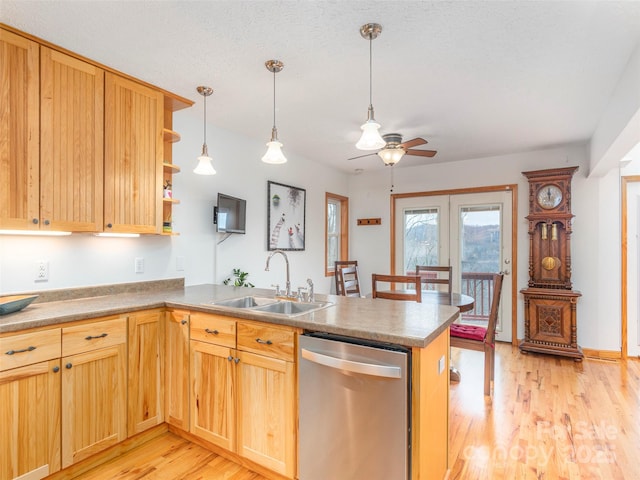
(549, 301)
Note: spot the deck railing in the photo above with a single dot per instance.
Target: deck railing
(478, 285)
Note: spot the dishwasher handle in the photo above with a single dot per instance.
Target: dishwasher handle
(387, 371)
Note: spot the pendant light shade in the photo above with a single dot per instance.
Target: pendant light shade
(204, 167)
(370, 138)
(274, 153)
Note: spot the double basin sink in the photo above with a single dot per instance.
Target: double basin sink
(272, 306)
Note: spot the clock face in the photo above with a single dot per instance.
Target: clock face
(549, 196)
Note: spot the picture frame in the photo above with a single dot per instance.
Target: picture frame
(286, 207)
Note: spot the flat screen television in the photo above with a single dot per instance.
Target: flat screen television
(230, 214)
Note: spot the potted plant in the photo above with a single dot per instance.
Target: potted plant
(240, 279)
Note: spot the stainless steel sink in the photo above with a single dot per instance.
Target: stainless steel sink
(271, 306)
(285, 307)
(245, 302)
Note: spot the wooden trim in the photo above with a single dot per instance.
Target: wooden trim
(514, 235)
(344, 229)
(602, 354)
(624, 347)
(172, 101)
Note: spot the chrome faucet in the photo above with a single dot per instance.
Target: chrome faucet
(266, 268)
(311, 295)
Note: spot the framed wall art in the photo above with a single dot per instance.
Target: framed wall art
(285, 217)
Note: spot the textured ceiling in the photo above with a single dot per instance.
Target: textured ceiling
(474, 78)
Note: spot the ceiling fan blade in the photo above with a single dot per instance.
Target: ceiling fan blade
(421, 153)
(361, 156)
(413, 143)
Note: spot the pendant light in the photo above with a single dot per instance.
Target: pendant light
(274, 153)
(370, 139)
(204, 166)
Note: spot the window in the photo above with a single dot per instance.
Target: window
(337, 230)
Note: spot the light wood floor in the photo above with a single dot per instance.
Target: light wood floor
(550, 418)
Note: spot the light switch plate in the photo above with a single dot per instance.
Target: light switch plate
(441, 365)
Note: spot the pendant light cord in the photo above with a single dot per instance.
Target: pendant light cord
(274, 98)
(370, 72)
(205, 120)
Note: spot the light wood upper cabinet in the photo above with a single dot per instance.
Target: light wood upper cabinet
(71, 143)
(19, 132)
(146, 371)
(176, 383)
(133, 157)
(94, 388)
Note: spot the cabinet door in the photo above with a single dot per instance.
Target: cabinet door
(146, 371)
(30, 426)
(94, 414)
(266, 412)
(71, 134)
(133, 157)
(19, 133)
(212, 395)
(176, 382)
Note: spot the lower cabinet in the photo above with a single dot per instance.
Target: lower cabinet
(30, 429)
(146, 342)
(244, 389)
(176, 382)
(94, 389)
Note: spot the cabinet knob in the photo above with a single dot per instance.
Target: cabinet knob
(183, 322)
(68, 365)
(47, 222)
(35, 221)
(237, 360)
(109, 225)
(56, 369)
(229, 358)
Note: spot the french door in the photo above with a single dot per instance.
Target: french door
(632, 266)
(470, 231)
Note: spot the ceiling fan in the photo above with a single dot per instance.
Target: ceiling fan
(395, 149)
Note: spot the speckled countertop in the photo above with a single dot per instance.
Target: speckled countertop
(404, 323)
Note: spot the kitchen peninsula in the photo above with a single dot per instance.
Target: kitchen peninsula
(162, 347)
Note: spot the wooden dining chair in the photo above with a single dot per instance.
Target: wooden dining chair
(338, 264)
(433, 276)
(402, 293)
(481, 339)
(348, 281)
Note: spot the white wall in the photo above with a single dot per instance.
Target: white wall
(84, 260)
(595, 239)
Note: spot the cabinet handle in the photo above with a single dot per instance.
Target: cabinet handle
(183, 322)
(237, 360)
(56, 369)
(68, 365)
(97, 336)
(264, 342)
(213, 332)
(28, 349)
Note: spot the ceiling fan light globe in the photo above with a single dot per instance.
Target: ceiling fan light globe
(391, 156)
(274, 153)
(204, 167)
(371, 138)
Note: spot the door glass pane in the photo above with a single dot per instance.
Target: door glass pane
(421, 233)
(480, 252)
(333, 233)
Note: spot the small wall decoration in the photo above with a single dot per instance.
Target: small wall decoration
(285, 217)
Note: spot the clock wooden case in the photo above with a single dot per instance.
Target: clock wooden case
(550, 302)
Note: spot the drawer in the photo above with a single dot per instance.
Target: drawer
(92, 336)
(211, 328)
(28, 348)
(276, 342)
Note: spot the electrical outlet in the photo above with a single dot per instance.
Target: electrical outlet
(139, 265)
(42, 271)
(179, 264)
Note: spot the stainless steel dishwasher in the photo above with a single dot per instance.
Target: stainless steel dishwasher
(354, 409)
